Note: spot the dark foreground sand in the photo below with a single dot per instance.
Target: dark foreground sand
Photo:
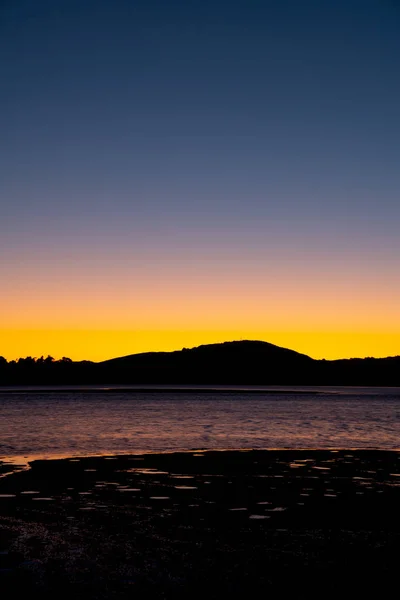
(203, 525)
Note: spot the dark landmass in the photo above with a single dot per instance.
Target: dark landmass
(230, 363)
(211, 524)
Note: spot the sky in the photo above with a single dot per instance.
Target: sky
(194, 171)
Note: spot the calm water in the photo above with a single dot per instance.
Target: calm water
(89, 421)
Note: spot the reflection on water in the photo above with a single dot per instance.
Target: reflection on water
(83, 423)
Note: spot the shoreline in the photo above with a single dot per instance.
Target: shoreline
(25, 461)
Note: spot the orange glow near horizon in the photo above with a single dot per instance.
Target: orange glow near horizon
(100, 345)
(94, 312)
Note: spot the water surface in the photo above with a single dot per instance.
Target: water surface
(88, 421)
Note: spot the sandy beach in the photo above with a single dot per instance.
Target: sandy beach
(202, 523)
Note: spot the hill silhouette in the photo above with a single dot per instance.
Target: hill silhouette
(229, 363)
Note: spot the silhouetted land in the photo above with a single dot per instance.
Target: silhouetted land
(287, 523)
(230, 363)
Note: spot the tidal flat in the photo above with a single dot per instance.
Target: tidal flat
(202, 524)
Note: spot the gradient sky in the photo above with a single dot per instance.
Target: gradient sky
(183, 172)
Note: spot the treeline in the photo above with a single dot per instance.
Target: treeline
(43, 371)
(29, 361)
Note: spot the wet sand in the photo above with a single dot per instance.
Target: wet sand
(202, 524)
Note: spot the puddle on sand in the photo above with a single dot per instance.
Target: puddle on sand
(321, 468)
(158, 498)
(44, 499)
(147, 472)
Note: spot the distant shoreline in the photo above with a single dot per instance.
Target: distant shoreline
(203, 389)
